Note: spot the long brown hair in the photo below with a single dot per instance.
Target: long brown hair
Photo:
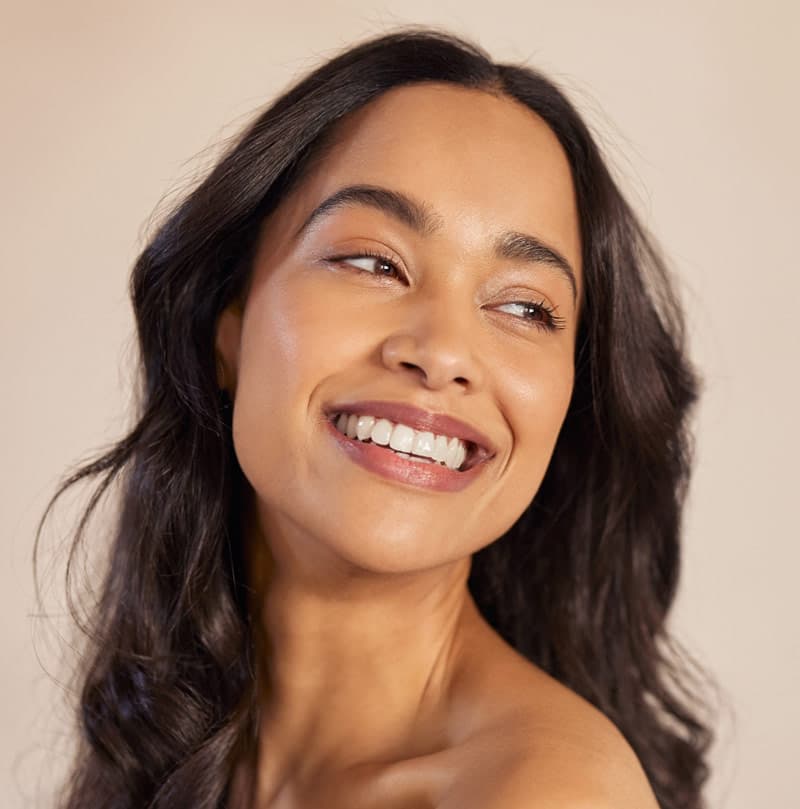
(583, 582)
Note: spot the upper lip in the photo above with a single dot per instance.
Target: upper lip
(421, 420)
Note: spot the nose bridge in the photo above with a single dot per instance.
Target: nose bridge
(435, 338)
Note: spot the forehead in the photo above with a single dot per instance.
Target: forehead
(480, 163)
(439, 117)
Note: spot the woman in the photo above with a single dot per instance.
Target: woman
(400, 513)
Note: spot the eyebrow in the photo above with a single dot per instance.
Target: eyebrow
(420, 218)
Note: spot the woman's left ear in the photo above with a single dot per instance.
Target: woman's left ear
(226, 346)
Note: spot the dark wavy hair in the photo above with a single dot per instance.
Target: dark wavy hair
(582, 583)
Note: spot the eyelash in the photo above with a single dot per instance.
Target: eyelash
(552, 321)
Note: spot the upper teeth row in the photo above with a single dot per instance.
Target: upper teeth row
(400, 437)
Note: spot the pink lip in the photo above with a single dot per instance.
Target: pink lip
(420, 420)
(384, 462)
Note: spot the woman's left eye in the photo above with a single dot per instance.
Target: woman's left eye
(372, 263)
(537, 314)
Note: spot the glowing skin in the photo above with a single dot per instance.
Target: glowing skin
(377, 651)
(313, 335)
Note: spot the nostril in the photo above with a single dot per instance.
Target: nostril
(461, 380)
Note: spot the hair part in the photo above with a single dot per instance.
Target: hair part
(582, 583)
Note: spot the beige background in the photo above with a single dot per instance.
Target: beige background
(103, 105)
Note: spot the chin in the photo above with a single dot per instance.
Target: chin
(396, 552)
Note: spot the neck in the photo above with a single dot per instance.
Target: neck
(356, 667)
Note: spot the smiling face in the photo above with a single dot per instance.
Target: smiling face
(469, 310)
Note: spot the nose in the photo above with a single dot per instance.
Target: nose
(436, 344)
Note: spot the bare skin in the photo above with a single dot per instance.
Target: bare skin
(382, 685)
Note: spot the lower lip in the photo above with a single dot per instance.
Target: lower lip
(386, 463)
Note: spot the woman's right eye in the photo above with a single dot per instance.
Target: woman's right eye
(368, 262)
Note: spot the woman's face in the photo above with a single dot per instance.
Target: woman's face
(469, 310)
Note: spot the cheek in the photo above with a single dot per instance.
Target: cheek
(283, 327)
(287, 347)
(538, 394)
(294, 339)
(536, 405)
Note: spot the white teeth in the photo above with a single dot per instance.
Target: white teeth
(364, 427)
(440, 449)
(402, 438)
(453, 453)
(381, 432)
(423, 444)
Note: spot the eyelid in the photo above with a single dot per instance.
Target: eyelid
(381, 253)
(554, 322)
(532, 294)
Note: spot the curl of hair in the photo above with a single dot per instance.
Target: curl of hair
(581, 584)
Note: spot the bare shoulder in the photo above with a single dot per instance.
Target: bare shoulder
(535, 744)
(570, 774)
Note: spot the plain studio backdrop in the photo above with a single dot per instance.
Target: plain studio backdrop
(109, 106)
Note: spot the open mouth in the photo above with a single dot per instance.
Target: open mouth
(423, 447)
